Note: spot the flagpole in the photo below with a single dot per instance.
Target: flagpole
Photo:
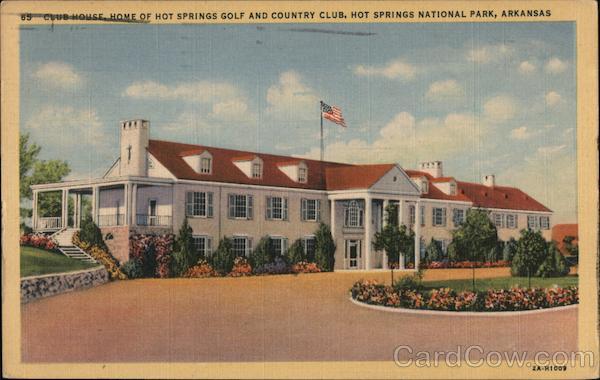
(322, 144)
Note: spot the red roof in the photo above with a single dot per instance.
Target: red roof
(323, 175)
(560, 231)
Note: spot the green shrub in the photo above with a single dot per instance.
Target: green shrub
(474, 239)
(554, 265)
(509, 249)
(434, 251)
(133, 269)
(262, 254)
(90, 233)
(530, 254)
(295, 253)
(411, 282)
(324, 248)
(185, 254)
(222, 259)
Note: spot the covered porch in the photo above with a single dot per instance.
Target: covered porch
(357, 216)
(125, 201)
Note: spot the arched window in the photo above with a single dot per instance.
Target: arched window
(353, 215)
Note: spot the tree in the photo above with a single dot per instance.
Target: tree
(295, 252)
(324, 248)
(185, 254)
(531, 252)
(91, 234)
(33, 171)
(475, 238)
(262, 254)
(222, 259)
(509, 250)
(571, 248)
(433, 252)
(395, 240)
(554, 265)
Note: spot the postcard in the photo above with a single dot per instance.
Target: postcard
(261, 189)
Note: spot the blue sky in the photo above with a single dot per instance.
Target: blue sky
(483, 98)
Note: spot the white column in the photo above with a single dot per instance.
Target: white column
(134, 204)
(78, 207)
(368, 225)
(127, 201)
(384, 259)
(95, 203)
(332, 219)
(65, 208)
(417, 234)
(400, 223)
(34, 210)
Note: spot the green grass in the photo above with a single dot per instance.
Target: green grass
(502, 283)
(35, 261)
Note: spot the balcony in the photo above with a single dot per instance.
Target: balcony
(111, 220)
(153, 220)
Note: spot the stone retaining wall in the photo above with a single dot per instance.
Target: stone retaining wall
(35, 287)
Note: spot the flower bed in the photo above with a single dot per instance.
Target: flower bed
(200, 270)
(304, 267)
(102, 256)
(241, 267)
(457, 264)
(514, 299)
(38, 241)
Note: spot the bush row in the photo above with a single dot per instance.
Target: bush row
(446, 299)
(38, 241)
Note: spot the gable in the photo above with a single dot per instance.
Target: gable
(396, 180)
(156, 169)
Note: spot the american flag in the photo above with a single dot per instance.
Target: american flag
(333, 114)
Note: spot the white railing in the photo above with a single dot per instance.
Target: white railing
(111, 220)
(49, 223)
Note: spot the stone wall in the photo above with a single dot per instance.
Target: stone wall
(35, 287)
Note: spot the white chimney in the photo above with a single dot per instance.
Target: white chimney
(434, 168)
(134, 143)
(489, 180)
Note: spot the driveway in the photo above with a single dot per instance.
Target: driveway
(275, 318)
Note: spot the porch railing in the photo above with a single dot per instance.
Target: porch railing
(153, 220)
(49, 223)
(111, 220)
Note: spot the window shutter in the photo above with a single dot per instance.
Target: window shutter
(269, 213)
(231, 206)
(209, 205)
(303, 208)
(208, 246)
(284, 209)
(189, 203)
(444, 217)
(284, 245)
(422, 215)
(248, 246)
(318, 206)
(516, 221)
(249, 206)
(433, 220)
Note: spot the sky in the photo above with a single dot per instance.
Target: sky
(483, 98)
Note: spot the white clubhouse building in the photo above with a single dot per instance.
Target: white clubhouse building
(154, 185)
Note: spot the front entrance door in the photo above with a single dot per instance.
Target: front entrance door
(152, 212)
(352, 254)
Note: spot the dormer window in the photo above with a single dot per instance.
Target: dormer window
(302, 174)
(424, 186)
(256, 170)
(452, 188)
(205, 165)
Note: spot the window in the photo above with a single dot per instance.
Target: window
(240, 206)
(452, 188)
(353, 215)
(277, 208)
(302, 177)
(498, 220)
(279, 245)
(256, 170)
(311, 210)
(309, 245)
(205, 165)
(511, 221)
(439, 216)
(532, 222)
(199, 203)
(150, 163)
(241, 245)
(411, 210)
(424, 186)
(202, 245)
(458, 216)
(422, 215)
(544, 222)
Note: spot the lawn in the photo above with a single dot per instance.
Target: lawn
(502, 283)
(35, 261)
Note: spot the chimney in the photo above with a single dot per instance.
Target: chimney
(433, 168)
(133, 147)
(489, 180)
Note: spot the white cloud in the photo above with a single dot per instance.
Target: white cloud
(291, 99)
(556, 65)
(444, 89)
(234, 109)
(527, 67)
(489, 53)
(58, 75)
(522, 133)
(553, 98)
(67, 125)
(500, 108)
(406, 139)
(198, 92)
(396, 69)
(550, 149)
